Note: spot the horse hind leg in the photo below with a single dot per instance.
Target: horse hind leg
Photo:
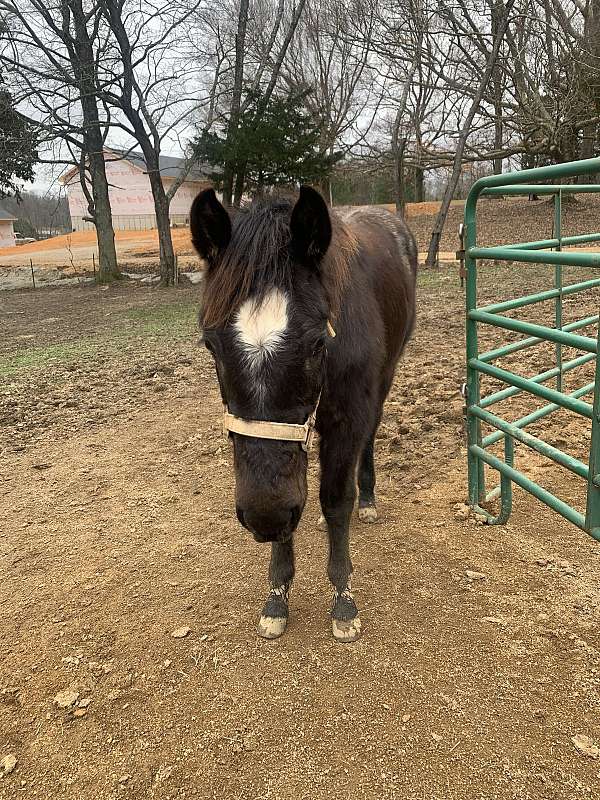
(274, 616)
(338, 492)
(367, 507)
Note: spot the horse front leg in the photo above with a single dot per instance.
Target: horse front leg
(338, 493)
(274, 616)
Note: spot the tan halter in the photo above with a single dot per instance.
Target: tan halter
(281, 431)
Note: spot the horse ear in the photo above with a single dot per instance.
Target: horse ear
(210, 225)
(310, 225)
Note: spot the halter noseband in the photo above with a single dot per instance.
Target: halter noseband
(280, 431)
(262, 429)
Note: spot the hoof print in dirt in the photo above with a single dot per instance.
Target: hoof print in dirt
(368, 514)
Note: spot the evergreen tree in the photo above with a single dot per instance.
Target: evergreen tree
(17, 146)
(277, 145)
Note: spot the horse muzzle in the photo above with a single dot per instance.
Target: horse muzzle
(275, 526)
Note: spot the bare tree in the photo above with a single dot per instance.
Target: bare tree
(250, 42)
(147, 85)
(51, 53)
(591, 79)
(236, 97)
(329, 60)
(500, 28)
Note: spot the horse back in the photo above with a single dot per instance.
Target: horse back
(387, 259)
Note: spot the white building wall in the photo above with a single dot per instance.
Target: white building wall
(131, 198)
(184, 196)
(7, 236)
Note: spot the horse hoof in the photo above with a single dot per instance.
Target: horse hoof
(274, 616)
(368, 514)
(322, 523)
(346, 630)
(271, 627)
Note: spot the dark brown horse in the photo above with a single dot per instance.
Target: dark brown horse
(304, 312)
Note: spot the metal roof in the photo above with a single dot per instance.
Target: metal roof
(4, 215)
(170, 166)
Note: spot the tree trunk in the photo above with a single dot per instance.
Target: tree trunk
(83, 63)
(591, 63)
(236, 105)
(497, 12)
(498, 137)
(228, 175)
(240, 179)
(108, 268)
(419, 184)
(149, 141)
(436, 235)
(322, 186)
(163, 225)
(399, 194)
(399, 142)
(236, 101)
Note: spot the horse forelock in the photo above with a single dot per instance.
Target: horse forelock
(257, 260)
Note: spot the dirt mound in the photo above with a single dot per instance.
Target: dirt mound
(77, 239)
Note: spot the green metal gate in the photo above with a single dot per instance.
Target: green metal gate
(478, 408)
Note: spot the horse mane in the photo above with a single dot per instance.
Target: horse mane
(257, 259)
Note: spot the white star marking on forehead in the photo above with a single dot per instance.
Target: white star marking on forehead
(261, 326)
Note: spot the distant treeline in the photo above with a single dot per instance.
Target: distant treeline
(39, 215)
(358, 183)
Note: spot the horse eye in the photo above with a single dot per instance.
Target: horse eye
(209, 346)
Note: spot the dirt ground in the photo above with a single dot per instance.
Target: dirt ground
(118, 528)
(501, 221)
(136, 250)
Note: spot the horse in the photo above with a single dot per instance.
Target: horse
(306, 314)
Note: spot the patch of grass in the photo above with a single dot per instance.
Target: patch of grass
(174, 321)
(39, 357)
(435, 278)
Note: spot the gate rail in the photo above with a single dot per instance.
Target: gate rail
(547, 251)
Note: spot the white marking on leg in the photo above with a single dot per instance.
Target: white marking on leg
(271, 627)
(367, 514)
(346, 631)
